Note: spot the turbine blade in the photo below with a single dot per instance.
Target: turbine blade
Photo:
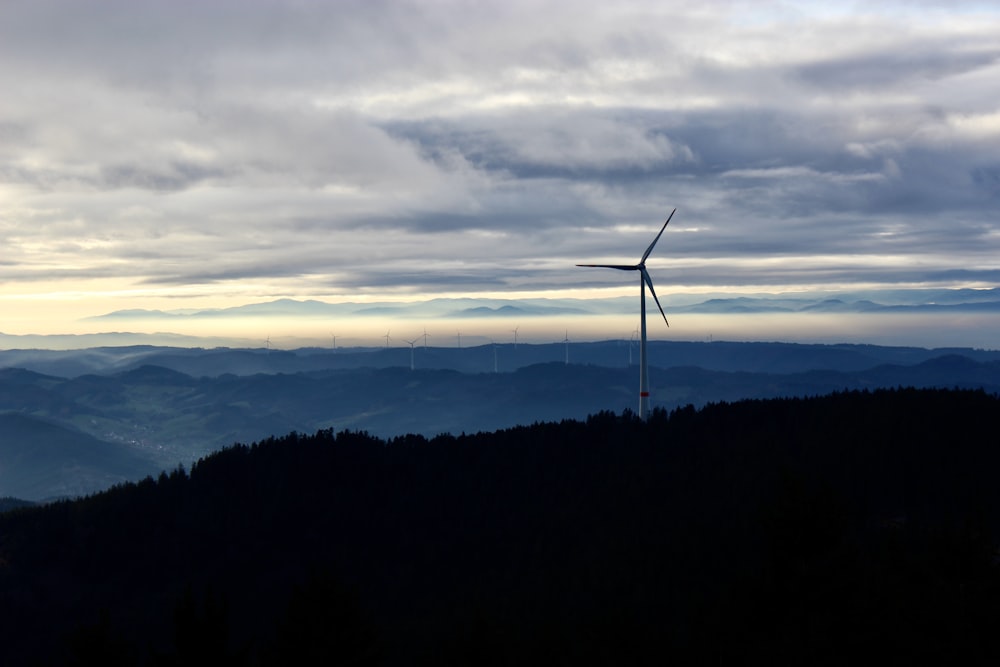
(649, 283)
(650, 248)
(620, 267)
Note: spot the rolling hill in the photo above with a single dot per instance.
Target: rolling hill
(42, 460)
(188, 403)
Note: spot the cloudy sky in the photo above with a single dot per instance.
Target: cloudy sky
(189, 154)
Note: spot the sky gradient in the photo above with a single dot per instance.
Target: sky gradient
(170, 155)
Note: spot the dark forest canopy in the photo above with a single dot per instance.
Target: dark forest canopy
(807, 531)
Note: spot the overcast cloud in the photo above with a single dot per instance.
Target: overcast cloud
(252, 149)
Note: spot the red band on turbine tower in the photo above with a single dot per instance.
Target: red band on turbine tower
(644, 394)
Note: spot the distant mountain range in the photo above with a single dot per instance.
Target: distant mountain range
(721, 356)
(976, 300)
(433, 308)
(767, 305)
(77, 421)
(937, 319)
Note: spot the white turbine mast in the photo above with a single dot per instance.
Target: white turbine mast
(411, 342)
(425, 337)
(566, 341)
(644, 280)
(515, 335)
(334, 337)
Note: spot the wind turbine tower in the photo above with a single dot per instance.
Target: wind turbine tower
(411, 342)
(566, 341)
(386, 336)
(644, 280)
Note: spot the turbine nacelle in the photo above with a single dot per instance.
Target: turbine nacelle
(641, 267)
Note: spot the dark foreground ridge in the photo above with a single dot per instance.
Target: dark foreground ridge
(798, 531)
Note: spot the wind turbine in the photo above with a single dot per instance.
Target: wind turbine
(334, 337)
(566, 341)
(515, 335)
(386, 336)
(644, 280)
(460, 339)
(425, 337)
(411, 342)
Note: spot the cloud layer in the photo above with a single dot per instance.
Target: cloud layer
(316, 149)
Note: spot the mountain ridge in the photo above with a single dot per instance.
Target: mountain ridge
(973, 300)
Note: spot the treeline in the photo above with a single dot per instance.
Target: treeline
(806, 531)
(10, 503)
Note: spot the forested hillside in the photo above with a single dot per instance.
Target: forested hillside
(798, 531)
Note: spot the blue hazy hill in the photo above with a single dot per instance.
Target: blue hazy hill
(41, 459)
(169, 406)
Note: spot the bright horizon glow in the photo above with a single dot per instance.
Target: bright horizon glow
(213, 155)
(974, 330)
(978, 331)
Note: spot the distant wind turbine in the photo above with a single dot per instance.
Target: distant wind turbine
(425, 338)
(566, 341)
(644, 280)
(334, 337)
(411, 342)
(515, 335)
(460, 339)
(386, 336)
